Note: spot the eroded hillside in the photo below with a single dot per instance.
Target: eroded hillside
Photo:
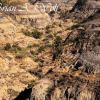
(50, 55)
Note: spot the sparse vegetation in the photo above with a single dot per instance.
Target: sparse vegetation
(13, 47)
(89, 68)
(7, 46)
(22, 53)
(60, 61)
(36, 34)
(57, 48)
(41, 48)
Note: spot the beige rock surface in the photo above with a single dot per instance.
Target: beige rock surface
(14, 74)
(53, 68)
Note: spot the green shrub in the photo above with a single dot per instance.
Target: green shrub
(7, 46)
(13, 47)
(36, 34)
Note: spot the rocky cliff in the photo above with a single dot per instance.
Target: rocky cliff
(52, 54)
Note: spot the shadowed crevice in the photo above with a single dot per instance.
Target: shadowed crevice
(24, 95)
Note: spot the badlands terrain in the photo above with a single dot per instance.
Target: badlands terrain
(49, 50)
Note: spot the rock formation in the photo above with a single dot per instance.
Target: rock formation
(50, 55)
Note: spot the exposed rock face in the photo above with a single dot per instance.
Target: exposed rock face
(32, 16)
(41, 89)
(50, 55)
